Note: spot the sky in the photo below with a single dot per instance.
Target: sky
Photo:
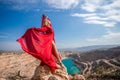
(76, 23)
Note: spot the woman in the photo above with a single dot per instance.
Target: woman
(40, 43)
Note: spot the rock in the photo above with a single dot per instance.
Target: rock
(2, 79)
(13, 64)
(78, 77)
(25, 67)
(44, 73)
(70, 77)
(52, 78)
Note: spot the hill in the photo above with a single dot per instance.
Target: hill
(89, 48)
(100, 64)
(21, 66)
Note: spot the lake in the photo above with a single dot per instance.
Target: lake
(71, 67)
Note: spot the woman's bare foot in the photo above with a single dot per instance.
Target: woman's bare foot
(58, 66)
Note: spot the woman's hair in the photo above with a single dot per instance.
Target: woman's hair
(45, 21)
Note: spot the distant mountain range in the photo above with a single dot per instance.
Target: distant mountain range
(89, 48)
(99, 64)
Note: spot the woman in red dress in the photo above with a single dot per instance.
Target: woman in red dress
(40, 43)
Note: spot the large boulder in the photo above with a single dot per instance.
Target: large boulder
(44, 73)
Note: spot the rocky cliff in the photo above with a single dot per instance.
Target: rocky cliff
(21, 66)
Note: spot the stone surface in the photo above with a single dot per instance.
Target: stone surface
(15, 66)
(78, 77)
(44, 73)
(2, 79)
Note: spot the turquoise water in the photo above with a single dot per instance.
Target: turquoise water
(71, 67)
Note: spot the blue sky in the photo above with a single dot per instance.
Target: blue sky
(77, 23)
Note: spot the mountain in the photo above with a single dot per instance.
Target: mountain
(89, 48)
(99, 64)
(97, 54)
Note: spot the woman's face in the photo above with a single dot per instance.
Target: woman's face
(46, 22)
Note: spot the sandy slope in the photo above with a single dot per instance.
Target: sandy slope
(12, 64)
(15, 66)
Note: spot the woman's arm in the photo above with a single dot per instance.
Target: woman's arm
(55, 51)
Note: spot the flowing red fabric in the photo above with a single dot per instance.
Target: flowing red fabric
(38, 43)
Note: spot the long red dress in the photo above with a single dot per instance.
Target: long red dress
(38, 43)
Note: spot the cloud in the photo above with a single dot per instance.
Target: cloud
(21, 4)
(82, 15)
(111, 4)
(105, 23)
(92, 39)
(108, 38)
(103, 12)
(62, 4)
(96, 18)
(90, 5)
(36, 4)
(3, 35)
(94, 5)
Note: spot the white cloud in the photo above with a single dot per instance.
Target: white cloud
(90, 5)
(21, 4)
(62, 4)
(92, 39)
(95, 18)
(103, 12)
(3, 35)
(115, 18)
(82, 15)
(112, 35)
(107, 12)
(113, 4)
(112, 12)
(94, 5)
(95, 22)
(36, 4)
(108, 38)
(110, 24)
(105, 23)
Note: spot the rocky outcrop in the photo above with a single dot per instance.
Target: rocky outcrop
(44, 73)
(76, 77)
(17, 66)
